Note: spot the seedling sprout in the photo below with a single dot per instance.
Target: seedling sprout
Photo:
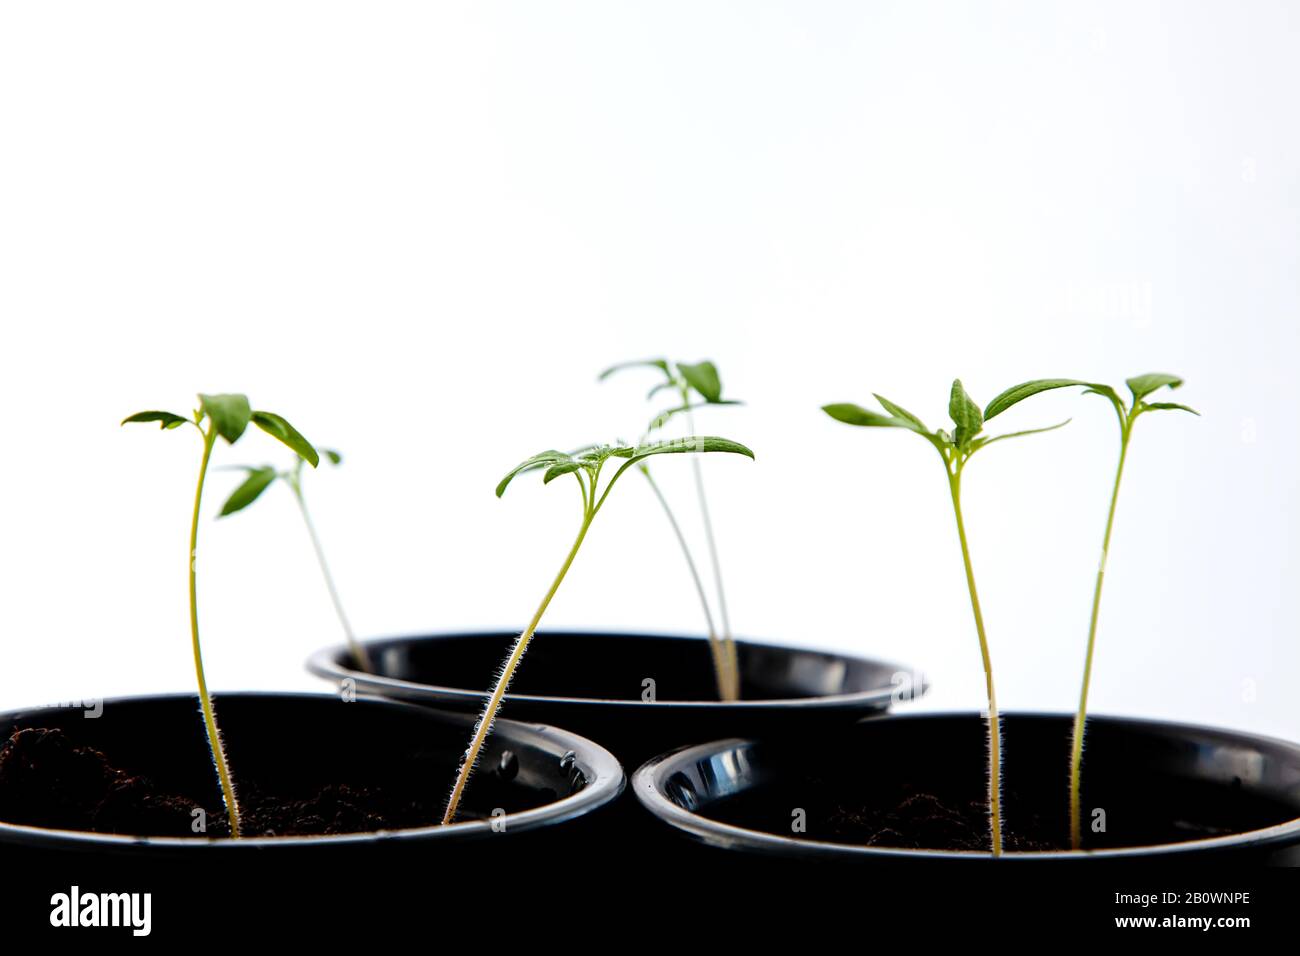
(226, 416)
(696, 385)
(1127, 414)
(586, 466)
(956, 449)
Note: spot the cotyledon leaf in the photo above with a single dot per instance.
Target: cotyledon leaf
(1169, 406)
(543, 459)
(1018, 393)
(898, 411)
(165, 419)
(278, 427)
(851, 414)
(688, 445)
(258, 480)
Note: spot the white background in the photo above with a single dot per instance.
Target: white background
(419, 230)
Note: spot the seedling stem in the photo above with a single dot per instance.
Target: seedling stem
(205, 701)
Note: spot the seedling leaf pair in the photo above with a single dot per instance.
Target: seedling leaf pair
(967, 435)
(590, 460)
(230, 415)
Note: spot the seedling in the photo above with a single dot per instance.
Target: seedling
(585, 465)
(956, 449)
(226, 416)
(1127, 413)
(257, 481)
(696, 385)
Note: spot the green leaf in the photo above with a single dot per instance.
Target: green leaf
(277, 427)
(1143, 385)
(704, 378)
(258, 480)
(166, 420)
(851, 414)
(965, 415)
(688, 445)
(1168, 406)
(1018, 393)
(229, 413)
(334, 457)
(561, 468)
(982, 442)
(661, 364)
(543, 459)
(898, 411)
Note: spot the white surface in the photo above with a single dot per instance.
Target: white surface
(418, 230)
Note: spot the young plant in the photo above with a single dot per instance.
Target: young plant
(955, 449)
(227, 417)
(696, 385)
(257, 481)
(586, 466)
(1127, 414)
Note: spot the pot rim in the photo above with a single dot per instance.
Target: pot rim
(326, 663)
(603, 773)
(646, 784)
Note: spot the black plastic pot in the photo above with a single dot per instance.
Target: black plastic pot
(595, 683)
(1221, 795)
(289, 745)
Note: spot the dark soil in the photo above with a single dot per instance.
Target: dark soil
(903, 818)
(939, 812)
(921, 821)
(49, 781)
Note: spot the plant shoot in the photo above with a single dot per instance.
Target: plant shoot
(1126, 414)
(695, 385)
(586, 465)
(225, 416)
(955, 448)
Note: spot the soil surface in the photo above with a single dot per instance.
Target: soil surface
(902, 819)
(48, 780)
(933, 814)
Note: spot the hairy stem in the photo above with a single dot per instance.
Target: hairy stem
(209, 713)
(359, 654)
(726, 688)
(1081, 716)
(995, 729)
(486, 718)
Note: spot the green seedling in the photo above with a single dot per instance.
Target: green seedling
(695, 385)
(956, 449)
(257, 481)
(586, 466)
(1127, 414)
(227, 417)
